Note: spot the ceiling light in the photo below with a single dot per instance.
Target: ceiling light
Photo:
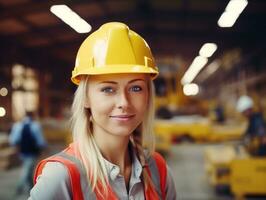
(71, 18)
(191, 89)
(2, 112)
(227, 19)
(3, 91)
(207, 50)
(18, 70)
(232, 11)
(236, 6)
(197, 64)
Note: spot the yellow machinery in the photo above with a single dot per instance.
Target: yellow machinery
(185, 127)
(226, 131)
(168, 95)
(168, 92)
(199, 129)
(233, 168)
(163, 140)
(217, 164)
(170, 99)
(248, 176)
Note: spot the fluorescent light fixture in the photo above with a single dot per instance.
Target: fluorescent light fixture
(236, 6)
(207, 50)
(197, 64)
(18, 70)
(191, 89)
(232, 11)
(71, 18)
(2, 112)
(227, 19)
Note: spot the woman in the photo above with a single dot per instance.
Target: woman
(112, 122)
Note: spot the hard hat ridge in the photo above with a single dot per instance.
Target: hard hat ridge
(124, 47)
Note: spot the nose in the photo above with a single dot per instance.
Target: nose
(123, 100)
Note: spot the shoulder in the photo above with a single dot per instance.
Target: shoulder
(166, 183)
(156, 159)
(170, 185)
(35, 124)
(166, 176)
(54, 170)
(158, 167)
(52, 182)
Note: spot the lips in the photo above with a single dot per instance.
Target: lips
(122, 117)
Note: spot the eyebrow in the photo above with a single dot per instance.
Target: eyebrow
(113, 82)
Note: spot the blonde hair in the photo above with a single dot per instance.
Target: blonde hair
(88, 151)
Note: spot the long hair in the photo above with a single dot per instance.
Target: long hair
(87, 149)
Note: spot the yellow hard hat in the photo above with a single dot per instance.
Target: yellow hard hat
(112, 49)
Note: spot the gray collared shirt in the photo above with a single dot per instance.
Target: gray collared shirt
(118, 184)
(54, 183)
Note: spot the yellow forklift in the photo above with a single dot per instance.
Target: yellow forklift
(233, 169)
(241, 168)
(176, 119)
(166, 98)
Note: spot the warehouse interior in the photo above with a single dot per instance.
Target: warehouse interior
(199, 131)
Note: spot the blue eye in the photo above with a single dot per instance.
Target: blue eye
(136, 88)
(107, 90)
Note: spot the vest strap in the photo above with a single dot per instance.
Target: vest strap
(73, 173)
(162, 169)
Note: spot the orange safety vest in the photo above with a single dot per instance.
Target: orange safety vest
(158, 174)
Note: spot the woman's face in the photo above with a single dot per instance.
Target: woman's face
(118, 102)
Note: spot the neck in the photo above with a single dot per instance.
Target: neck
(114, 149)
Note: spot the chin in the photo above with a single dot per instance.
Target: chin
(121, 131)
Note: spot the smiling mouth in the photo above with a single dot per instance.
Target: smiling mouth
(122, 117)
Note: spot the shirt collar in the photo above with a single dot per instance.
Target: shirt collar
(113, 170)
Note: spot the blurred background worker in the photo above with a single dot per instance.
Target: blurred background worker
(27, 136)
(219, 113)
(255, 137)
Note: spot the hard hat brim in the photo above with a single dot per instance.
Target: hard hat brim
(116, 69)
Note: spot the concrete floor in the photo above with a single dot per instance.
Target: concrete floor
(8, 181)
(186, 162)
(9, 178)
